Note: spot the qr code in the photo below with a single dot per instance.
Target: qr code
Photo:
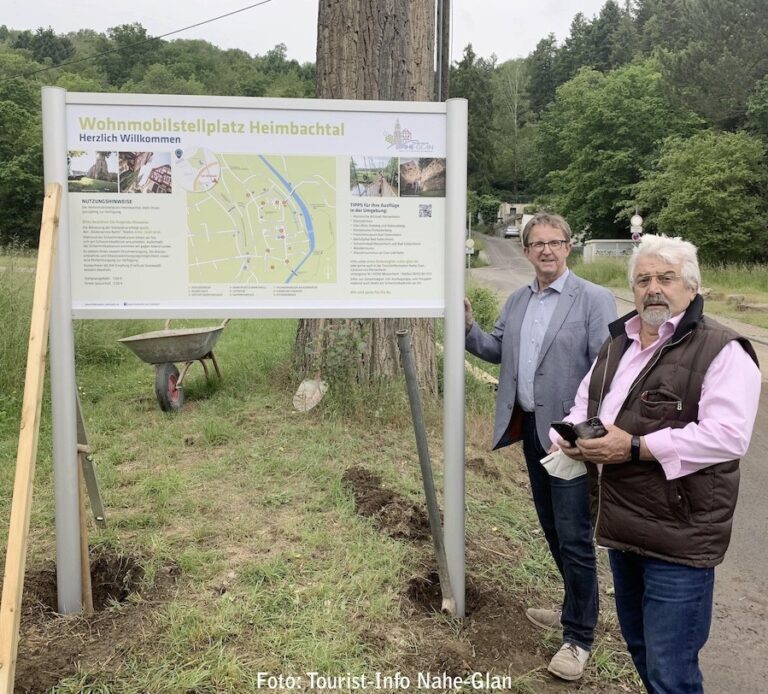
(425, 210)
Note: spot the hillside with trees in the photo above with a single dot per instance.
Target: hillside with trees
(659, 105)
(125, 59)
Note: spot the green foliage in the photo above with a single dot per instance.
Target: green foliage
(725, 54)
(16, 287)
(488, 209)
(603, 130)
(45, 45)
(161, 79)
(511, 111)
(711, 189)
(20, 169)
(608, 272)
(663, 24)
(757, 108)
(126, 59)
(543, 78)
(611, 38)
(126, 52)
(604, 43)
(747, 278)
(471, 79)
(485, 306)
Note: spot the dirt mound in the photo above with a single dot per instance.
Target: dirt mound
(392, 513)
(113, 579)
(482, 467)
(494, 640)
(51, 645)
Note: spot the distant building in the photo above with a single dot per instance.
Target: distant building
(510, 212)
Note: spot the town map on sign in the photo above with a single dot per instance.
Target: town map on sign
(254, 219)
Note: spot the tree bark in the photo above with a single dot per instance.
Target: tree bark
(372, 49)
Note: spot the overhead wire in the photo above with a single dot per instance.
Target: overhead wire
(132, 45)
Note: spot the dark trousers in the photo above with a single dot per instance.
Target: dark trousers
(665, 611)
(563, 510)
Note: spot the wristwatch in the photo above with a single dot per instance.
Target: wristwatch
(635, 448)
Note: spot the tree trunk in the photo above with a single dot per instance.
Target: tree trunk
(372, 49)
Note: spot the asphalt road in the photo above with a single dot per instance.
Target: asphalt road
(735, 660)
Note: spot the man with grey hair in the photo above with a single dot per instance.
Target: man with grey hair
(678, 394)
(547, 335)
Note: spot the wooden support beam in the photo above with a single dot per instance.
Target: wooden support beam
(21, 504)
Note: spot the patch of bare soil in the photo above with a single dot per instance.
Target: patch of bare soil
(482, 467)
(495, 638)
(51, 645)
(393, 514)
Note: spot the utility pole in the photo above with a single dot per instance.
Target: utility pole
(443, 49)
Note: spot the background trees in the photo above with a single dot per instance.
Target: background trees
(576, 126)
(470, 78)
(603, 130)
(712, 189)
(126, 59)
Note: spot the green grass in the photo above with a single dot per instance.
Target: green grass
(608, 273)
(92, 185)
(243, 497)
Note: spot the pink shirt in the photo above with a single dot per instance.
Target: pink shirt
(730, 395)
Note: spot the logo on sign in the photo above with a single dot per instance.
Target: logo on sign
(402, 139)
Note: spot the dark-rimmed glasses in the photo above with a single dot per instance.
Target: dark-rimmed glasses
(555, 245)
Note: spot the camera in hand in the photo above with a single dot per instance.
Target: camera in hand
(592, 428)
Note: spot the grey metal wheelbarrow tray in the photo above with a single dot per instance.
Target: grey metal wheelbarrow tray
(178, 344)
(164, 347)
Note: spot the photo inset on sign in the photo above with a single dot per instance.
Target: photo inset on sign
(145, 172)
(422, 178)
(92, 172)
(373, 177)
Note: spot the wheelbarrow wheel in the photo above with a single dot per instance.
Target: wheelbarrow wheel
(168, 394)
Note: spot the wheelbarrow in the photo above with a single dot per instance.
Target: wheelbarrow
(164, 347)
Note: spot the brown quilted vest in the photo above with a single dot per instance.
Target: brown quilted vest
(686, 520)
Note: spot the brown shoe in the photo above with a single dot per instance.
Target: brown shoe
(544, 619)
(568, 663)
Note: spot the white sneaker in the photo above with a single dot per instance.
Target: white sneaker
(568, 663)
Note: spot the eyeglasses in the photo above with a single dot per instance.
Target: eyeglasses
(665, 280)
(555, 245)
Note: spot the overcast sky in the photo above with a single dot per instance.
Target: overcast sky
(508, 28)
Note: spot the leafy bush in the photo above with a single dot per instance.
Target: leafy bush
(485, 306)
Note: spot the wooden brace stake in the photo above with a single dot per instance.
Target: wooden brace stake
(18, 529)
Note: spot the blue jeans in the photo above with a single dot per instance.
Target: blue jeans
(665, 611)
(563, 510)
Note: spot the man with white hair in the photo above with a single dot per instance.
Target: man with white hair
(678, 394)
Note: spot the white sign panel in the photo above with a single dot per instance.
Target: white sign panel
(210, 206)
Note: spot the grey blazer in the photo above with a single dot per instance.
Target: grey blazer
(578, 328)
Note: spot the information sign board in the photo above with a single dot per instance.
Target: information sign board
(213, 206)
